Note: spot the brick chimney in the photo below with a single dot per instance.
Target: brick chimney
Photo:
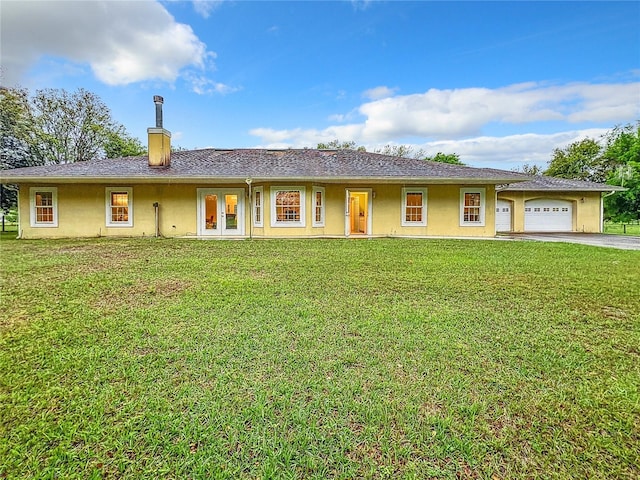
(159, 139)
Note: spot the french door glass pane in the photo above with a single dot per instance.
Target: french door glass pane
(231, 211)
(211, 212)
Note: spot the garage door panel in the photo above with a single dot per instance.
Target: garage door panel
(547, 215)
(503, 216)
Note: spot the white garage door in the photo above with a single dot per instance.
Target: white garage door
(543, 215)
(503, 216)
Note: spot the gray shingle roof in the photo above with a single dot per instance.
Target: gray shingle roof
(211, 165)
(543, 183)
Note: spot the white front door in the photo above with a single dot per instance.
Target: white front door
(548, 215)
(503, 216)
(220, 211)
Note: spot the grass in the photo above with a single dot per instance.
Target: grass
(10, 231)
(389, 358)
(622, 228)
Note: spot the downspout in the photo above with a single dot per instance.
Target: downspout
(250, 209)
(495, 206)
(156, 207)
(19, 219)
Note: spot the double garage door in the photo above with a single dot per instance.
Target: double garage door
(544, 215)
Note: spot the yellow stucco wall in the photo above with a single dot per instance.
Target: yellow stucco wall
(82, 211)
(586, 208)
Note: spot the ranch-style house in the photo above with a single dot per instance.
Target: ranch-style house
(215, 193)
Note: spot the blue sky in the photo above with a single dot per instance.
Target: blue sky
(499, 83)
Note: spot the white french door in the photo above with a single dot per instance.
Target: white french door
(220, 211)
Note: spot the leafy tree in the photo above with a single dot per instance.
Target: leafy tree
(625, 206)
(581, 160)
(623, 146)
(529, 169)
(121, 144)
(452, 158)
(15, 136)
(16, 129)
(614, 160)
(405, 151)
(14, 153)
(622, 155)
(70, 127)
(338, 145)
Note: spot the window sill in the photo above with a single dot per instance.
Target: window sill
(288, 225)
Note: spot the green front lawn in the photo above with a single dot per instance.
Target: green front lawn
(622, 228)
(387, 358)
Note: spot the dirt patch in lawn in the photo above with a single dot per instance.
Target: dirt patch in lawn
(141, 295)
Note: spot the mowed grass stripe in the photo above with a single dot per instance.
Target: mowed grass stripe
(318, 359)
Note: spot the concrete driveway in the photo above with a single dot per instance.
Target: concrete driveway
(624, 242)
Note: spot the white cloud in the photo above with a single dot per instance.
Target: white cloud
(177, 136)
(202, 85)
(282, 136)
(300, 137)
(462, 113)
(509, 151)
(343, 117)
(378, 93)
(451, 121)
(205, 7)
(122, 41)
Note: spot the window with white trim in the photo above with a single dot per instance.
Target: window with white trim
(287, 206)
(472, 202)
(44, 206)
(119, 202)
(414, 207)
(258, 208)
(318, 206)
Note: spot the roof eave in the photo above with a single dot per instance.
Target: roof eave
(255, 179)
